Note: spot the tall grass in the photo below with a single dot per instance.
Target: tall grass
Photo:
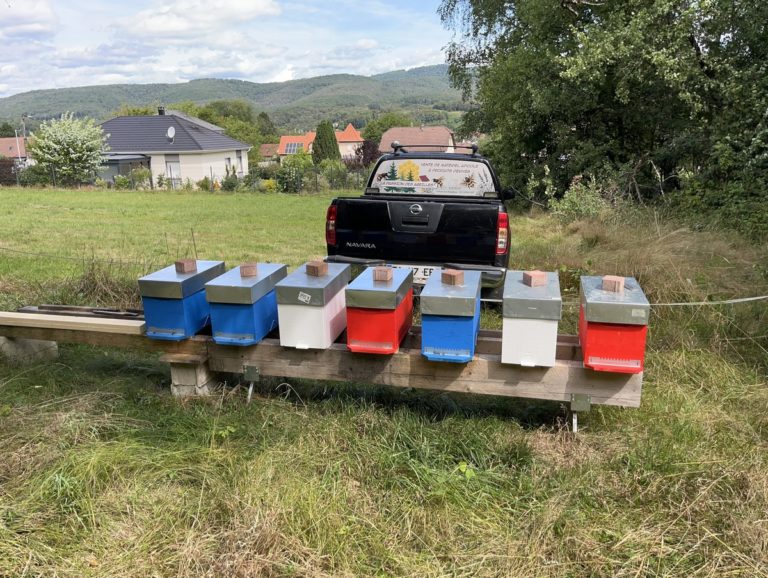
(103, 474)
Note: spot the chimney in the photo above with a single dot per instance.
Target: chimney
(161, 110)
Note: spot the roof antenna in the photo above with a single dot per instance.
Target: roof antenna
(171, 133)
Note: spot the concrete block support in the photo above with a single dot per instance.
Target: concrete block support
(190, 375)
(26, 351)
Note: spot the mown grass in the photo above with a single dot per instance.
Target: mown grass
(103, 474)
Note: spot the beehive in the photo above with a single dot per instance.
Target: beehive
(379, 313)
(311, 309)
(174, 302)
(244, 308)
(450, 317)
(613, 325)
(531, 310)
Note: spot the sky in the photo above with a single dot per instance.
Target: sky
(60, 43)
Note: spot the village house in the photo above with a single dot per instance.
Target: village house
(348, 140)
(172, 145)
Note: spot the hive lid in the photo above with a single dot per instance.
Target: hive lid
(365, 293)
(299, 288)
(438, 298)
(629, 307)
(168, 284)
(524, 302)
(231, 287)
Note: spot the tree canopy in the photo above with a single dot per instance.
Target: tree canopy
(378, 126)
(325, 145)
(663, 94)
(70, 147)
(6, 129)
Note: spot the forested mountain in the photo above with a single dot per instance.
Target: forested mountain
(294, 105)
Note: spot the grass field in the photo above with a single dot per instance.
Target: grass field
(103, 474)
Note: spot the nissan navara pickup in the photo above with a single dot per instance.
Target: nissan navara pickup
(425, 210)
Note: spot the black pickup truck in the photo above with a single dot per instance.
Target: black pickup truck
(425, 210)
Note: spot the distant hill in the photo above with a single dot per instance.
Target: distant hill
(294, 105)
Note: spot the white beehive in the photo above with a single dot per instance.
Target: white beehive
(531, 316)
(311, 310)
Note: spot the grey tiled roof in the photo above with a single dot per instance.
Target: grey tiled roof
(141, 134)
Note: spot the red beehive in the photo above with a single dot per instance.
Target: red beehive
(379, 313)
(613, 325)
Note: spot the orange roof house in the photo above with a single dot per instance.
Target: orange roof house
(439, 137)
(268, 150)
(13, 148)
(292, 144)
(348, 140)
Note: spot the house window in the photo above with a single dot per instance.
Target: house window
(293, 147)
(239, 162)
(228, 161)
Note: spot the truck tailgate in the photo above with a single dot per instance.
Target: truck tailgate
(434, 231)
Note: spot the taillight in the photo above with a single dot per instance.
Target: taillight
(502, 233)
(330, 225)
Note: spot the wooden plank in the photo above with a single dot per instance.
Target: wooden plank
(194, 346)
(97, 324)
(484, 375)
(489, 342)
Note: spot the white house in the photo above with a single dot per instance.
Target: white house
(176, 146)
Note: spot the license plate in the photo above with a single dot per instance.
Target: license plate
(420, 272)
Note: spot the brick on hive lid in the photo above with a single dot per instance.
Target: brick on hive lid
(613, 283)
(248, 270)
(186, 266)
(534, 278)
(382, 274)
(452, 277)
(317, 268)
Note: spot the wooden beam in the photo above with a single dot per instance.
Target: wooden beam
(95, 324)
(408, 368)
(194, 346)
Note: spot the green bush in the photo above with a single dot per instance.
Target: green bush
(290, 177)
(35, 175)
(268, 185)
(204, 184)
(230, 182)
(583, 200)
(335, 173)
(140, 177)
(734, 205)
(122, 182)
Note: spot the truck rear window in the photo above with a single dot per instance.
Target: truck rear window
(433, 176)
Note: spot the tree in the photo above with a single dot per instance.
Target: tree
(367, 152)
(136, 110)
(325, 145)
(6, 130)
(377, 127)
(266, 127)
(647, 90)
(236, 109)
(70, 147)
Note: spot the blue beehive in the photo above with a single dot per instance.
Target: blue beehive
(450, 318)
(174, 302)
(243, 303)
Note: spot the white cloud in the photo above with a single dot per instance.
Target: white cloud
(29, 19)
(88, 42)
(187, 18)
(284, 75)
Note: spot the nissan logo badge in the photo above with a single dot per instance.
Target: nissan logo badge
(415, 209)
